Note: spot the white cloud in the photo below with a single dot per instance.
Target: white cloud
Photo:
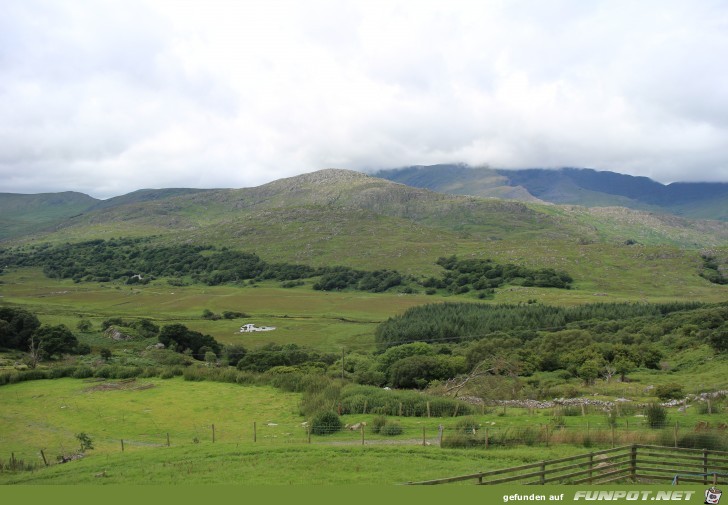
(108, 97)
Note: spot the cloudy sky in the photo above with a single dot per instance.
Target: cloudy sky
(106, 97)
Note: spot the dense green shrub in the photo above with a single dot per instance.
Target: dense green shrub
(326, 423)
(377, 424)
(467, 425)
(357, 399)
(656, 415)
(180, 338)
(171, 371)
(118, 372)
(703, 440)
(83, 372)
(671, 391)
(391, 429)
(461, 440)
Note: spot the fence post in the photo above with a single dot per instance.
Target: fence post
(612, 436)
(633, 463)
(362, 434)
(705, 466)
(213, 433)
(122, 445)
(167, 439)
(308, 429)
(44, 458)
(428, 409)
(255, 432)
(675, 434)
(547, 435)
(486, 438)
(424, 441)
(400, 409)
(364, 410)
(591, 466)
(542, 477)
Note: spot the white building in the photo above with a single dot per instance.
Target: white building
(250, 327)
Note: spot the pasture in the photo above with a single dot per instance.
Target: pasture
(47, 414)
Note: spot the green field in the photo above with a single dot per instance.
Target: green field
(47, 415)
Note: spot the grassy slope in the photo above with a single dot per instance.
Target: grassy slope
(48, 414)
(23, 214)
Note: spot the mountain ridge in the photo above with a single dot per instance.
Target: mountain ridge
(574, 186)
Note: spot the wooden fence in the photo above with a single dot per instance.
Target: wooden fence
(643, 463)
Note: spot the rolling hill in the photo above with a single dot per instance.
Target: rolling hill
(23, 214)
(340, 217)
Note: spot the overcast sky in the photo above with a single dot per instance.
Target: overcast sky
(109, 97)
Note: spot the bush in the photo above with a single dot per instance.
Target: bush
(195, 374)
(326, 423)
(656, 415)
(461, 440)
(83, 372)
(670, 391)
(391, 429)
(118, 372)
(710, 441)
(170, 372)
(378, 423)
(467, 425)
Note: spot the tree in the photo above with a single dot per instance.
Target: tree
(16, 327)
(234, 353)
(623, 365)
(105, 354)
(85, 441)
(589, 371)
(210, 358)
(180, 338)
(55, 340)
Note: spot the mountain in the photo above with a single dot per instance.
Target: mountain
(22, 214)
(341, 217)
(575, 186)
(25, 214)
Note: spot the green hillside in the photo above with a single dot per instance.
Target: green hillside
(338, 217)
(25, 214)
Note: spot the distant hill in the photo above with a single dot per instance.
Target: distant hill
(341, 217)
(23, 214)
(575, 186)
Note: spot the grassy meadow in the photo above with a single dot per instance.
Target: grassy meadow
(48, 414)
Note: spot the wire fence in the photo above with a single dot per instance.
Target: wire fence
(428, 432)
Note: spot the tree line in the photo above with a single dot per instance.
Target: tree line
(138, 261)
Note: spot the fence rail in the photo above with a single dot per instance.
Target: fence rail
(627, 463)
